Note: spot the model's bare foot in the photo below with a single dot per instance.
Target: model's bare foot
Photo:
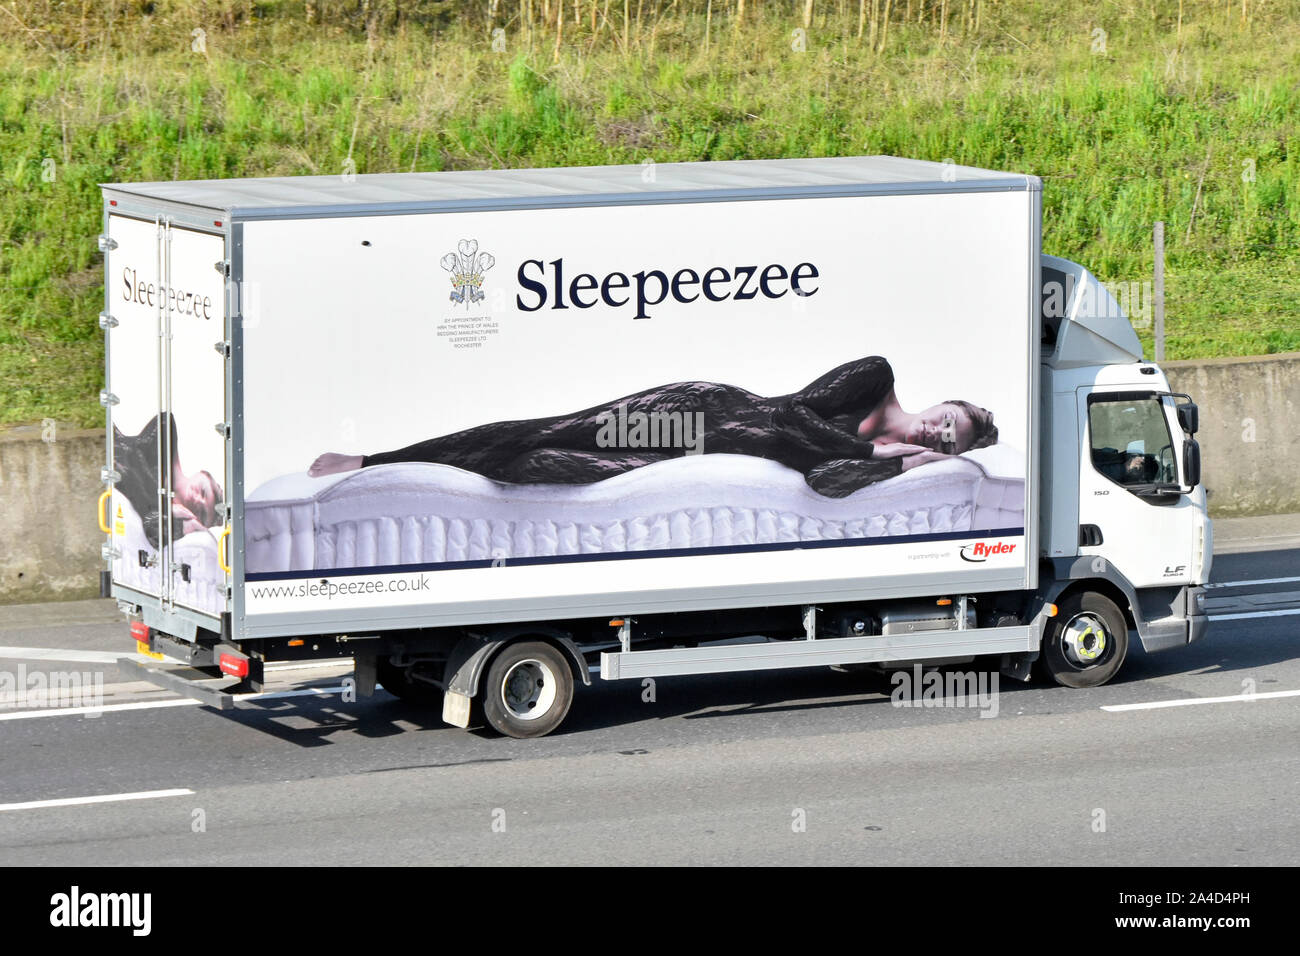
(332, 463)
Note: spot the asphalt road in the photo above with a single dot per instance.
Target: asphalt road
(809, 766)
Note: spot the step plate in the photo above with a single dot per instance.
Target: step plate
(776, 655)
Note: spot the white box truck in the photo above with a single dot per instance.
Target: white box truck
(489, 432)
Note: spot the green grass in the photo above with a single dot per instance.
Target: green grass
(1162, 125)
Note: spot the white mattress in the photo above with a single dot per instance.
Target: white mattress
(205, 590)
(420, 514)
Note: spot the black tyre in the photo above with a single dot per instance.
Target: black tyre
(397, 681)
(1086, 643)
(527, 689)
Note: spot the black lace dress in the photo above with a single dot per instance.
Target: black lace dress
(813, 431)
(135, 458)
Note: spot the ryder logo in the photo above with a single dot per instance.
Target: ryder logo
(982, 550)
(467, 266)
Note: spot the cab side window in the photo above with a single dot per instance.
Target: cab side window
(1131, 444)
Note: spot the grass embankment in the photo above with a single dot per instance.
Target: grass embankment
(1194, 123)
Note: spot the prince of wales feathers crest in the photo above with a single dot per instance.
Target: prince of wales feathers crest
(467, 266)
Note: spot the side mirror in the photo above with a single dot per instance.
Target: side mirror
(1191, 462)
(1189, 417)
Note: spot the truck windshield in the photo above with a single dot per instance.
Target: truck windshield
(1131, 444)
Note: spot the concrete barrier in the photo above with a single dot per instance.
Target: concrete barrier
(49, 539)
(1249, 449)
(49, 479)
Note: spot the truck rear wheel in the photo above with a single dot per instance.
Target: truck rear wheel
(527, 690)
(1087, 641)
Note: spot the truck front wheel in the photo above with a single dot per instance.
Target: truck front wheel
(1087, 641)
(527, 690)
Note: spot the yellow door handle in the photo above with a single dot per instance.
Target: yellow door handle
(103, 524)
(221, 549)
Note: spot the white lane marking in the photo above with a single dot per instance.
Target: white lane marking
(1246, 584)
(103, 798)
(106, 709)
(8, 652)
(1235, 699)
(151, 704)
(1249, 614)
(66, 654)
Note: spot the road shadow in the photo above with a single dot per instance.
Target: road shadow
(1229, 647)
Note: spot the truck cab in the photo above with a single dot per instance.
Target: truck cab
(1123, 508)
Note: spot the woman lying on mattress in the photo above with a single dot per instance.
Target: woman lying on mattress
(844, 431)
(196, 497)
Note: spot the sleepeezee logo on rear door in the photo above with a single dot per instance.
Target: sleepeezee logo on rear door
(982, 551)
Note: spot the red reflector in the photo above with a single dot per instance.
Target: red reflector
(140, 631)
(112, 202)
(216, 222)
(234, 666)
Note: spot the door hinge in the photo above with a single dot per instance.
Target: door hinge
(108, 476)
(109, 553)
(106, 243)
(107, 398)
(222, 349)
(222, 266)
(223, 429)
(106, 321)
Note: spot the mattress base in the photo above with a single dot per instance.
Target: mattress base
(421, 514)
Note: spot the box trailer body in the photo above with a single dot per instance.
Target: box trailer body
(630, 414)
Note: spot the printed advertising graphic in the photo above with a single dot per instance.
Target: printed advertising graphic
(171, 392)
(797, 381)
(469, 328)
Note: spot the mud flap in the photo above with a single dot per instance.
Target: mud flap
(365, 674)
(455, 708)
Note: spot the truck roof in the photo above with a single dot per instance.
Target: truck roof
(302, 196)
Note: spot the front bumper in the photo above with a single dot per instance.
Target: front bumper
(1198, 622)
(1172, 617)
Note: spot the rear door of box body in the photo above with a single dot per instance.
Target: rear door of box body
(165, 317)
(370, 333)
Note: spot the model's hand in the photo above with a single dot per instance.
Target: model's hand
(332, 463)
(896, 450)
(189, 523)
(924, 457)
